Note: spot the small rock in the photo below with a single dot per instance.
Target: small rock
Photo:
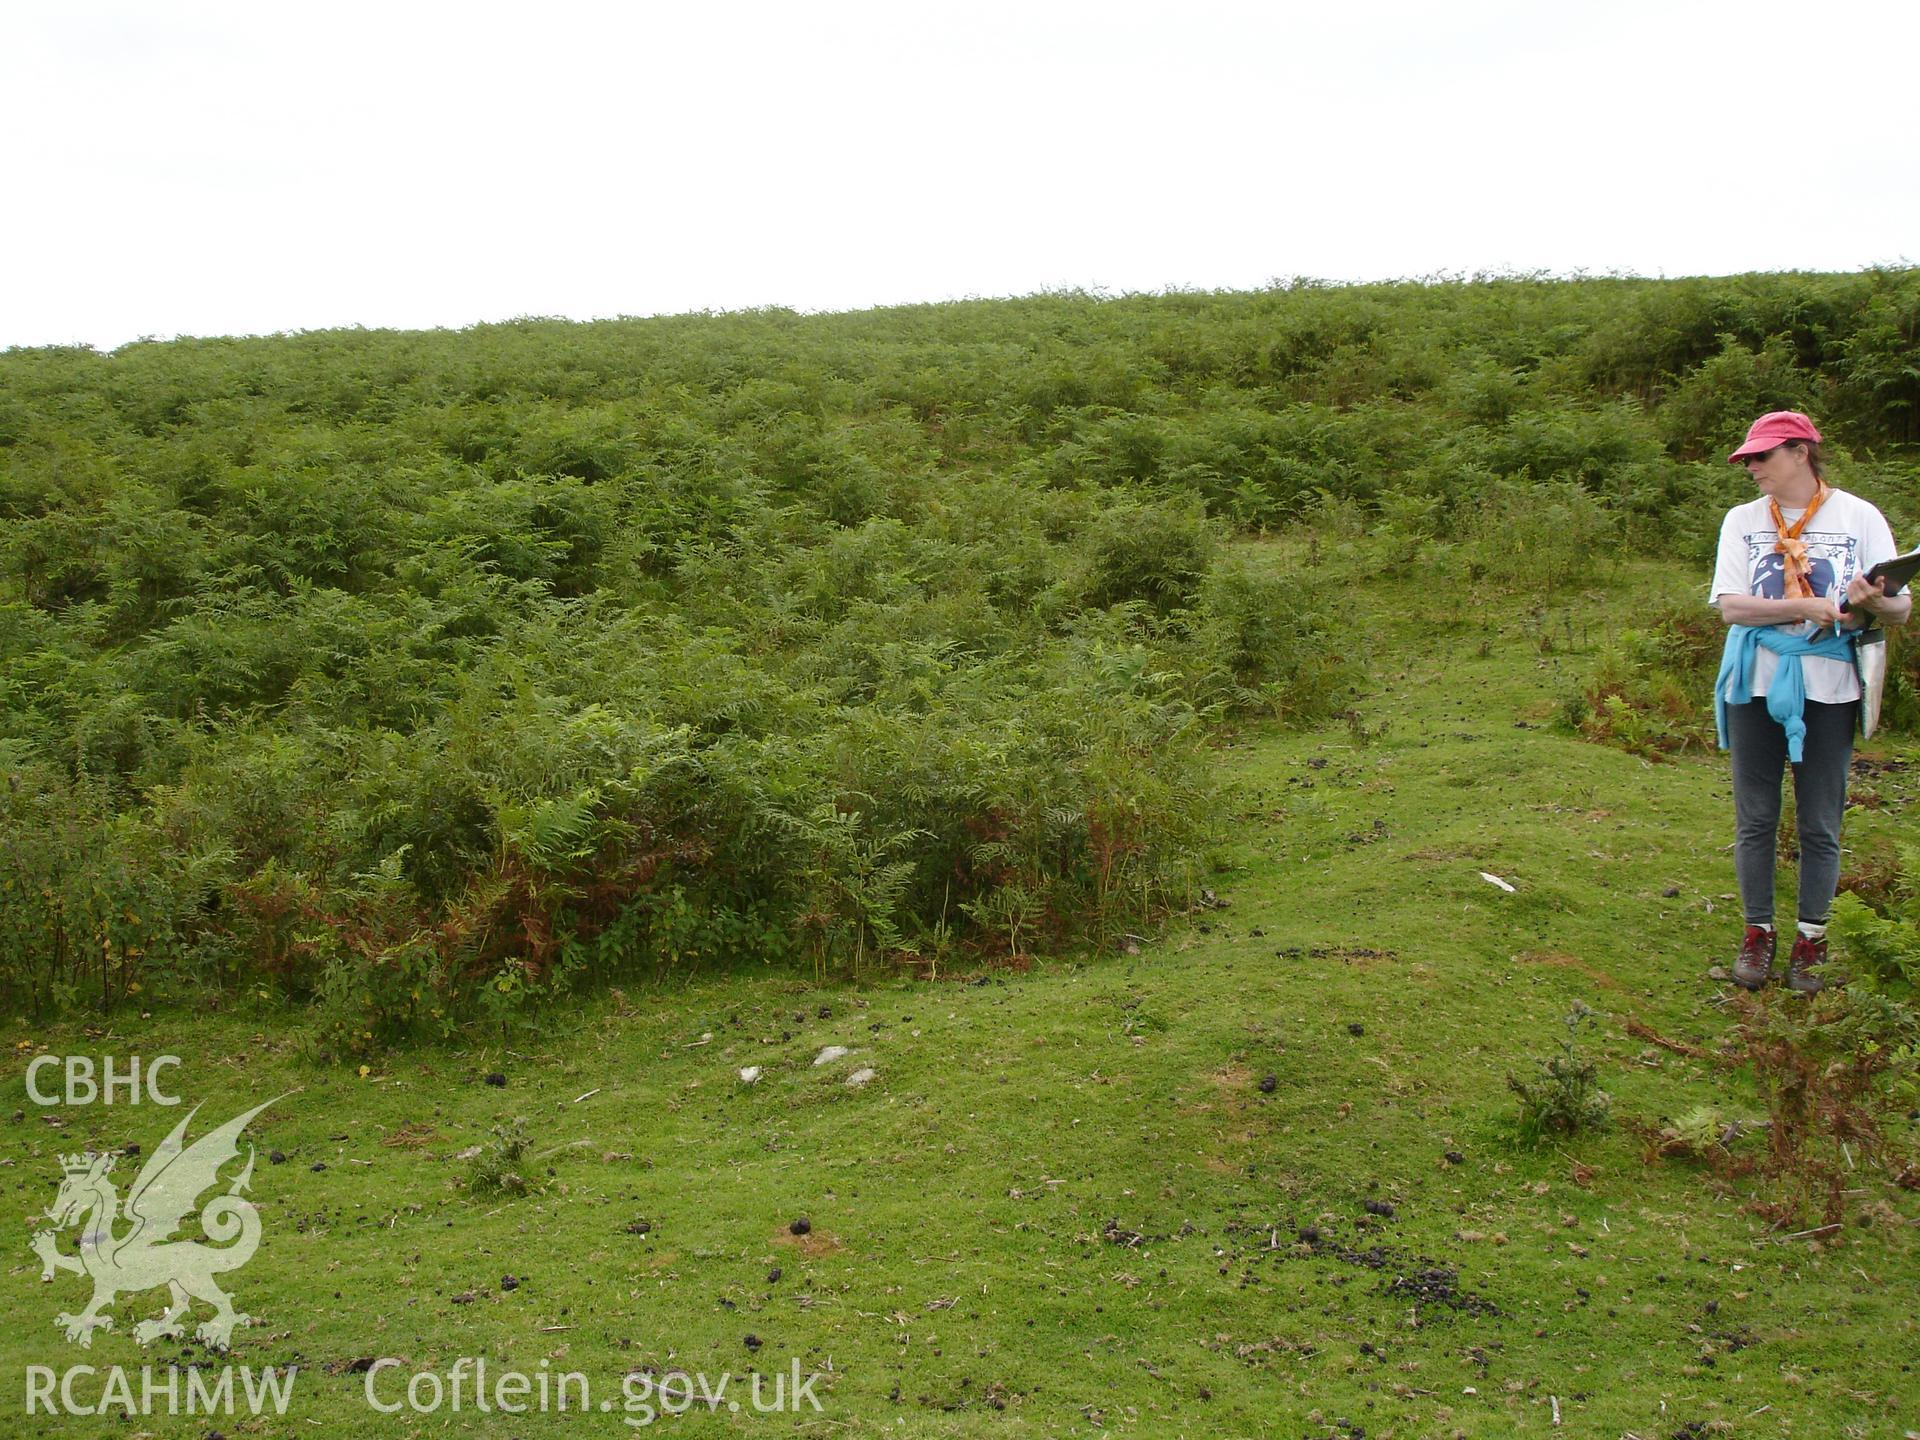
(317, 1166)
(831, 1054)
(753, 1342)
(750, 1075)
(1719, 972)
(508, 1282)
(801, 1226)
(1356, 1028)
(861, 1076)
(1269, 1084)
(1671, 892)
(1454, 1157)
(497, 1080)
(276, 1157)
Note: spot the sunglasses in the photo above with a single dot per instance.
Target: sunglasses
(1753, 455)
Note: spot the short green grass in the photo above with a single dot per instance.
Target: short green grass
(1065, 1205)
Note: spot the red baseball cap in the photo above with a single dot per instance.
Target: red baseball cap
(1773, 428)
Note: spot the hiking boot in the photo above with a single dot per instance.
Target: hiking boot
(1804, 965)
(1755, 965)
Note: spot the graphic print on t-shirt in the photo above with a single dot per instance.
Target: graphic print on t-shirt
(1830, 563)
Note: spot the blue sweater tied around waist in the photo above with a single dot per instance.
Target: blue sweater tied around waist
(1787, 695)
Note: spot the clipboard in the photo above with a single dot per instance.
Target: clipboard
(1892, 575)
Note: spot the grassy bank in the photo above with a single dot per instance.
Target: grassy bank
(1067, 1203)
(424, 675)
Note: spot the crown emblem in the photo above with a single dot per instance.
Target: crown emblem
(80, 1162)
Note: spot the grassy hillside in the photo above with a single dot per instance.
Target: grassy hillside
(1067, 1202)
(427, 676)
(1153, 739)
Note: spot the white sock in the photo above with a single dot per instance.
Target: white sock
(1813, 932)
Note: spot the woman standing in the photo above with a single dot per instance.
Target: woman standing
(1788, 690)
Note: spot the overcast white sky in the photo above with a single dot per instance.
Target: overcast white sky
(220, 168)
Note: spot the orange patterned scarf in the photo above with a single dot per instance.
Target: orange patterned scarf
(1792, 547)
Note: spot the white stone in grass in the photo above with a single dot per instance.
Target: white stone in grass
(831, 1054)
(861, 1077)
(749, 1075)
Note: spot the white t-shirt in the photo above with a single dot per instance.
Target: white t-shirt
(1846, 537)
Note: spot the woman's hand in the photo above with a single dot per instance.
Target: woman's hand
(1864, 594)
(1820, 610)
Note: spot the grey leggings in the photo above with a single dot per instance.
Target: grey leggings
(1759, 749)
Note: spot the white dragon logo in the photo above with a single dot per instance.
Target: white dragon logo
(165, 1193)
